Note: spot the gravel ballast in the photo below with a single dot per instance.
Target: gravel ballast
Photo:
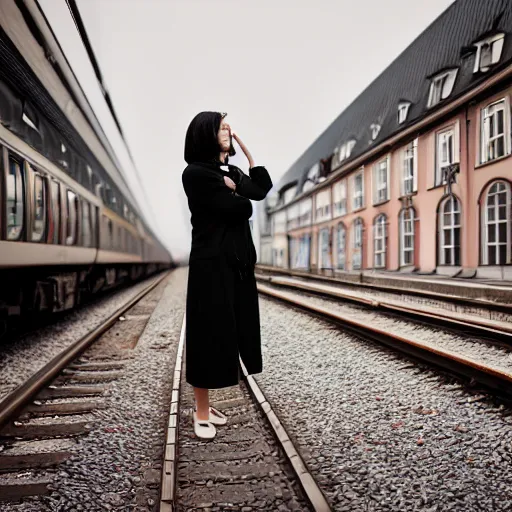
(477, 349)
(407, 299)
(380, 432)
(24, 356)
(117, 466)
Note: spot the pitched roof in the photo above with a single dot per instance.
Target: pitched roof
(445, 44)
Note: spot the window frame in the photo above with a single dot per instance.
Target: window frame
(382, 237)
(378, 186)
(340, 227)
(446, 80)
(86, 238)
(412, 233)
(35, 176)
(21, 183)
(484, 158)
(320, 237)
(453, 130)
(409, 172)
(442, 245)
(403, 111)
(342, 210)
(56, 209)
(357, 242)
(485, 222)
(72, 218)
(355, 195)
(478, 56)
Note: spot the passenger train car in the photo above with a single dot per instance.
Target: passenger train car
(69, 224)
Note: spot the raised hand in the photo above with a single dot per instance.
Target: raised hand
(244, 149)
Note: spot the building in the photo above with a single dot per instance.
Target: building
(416, 174)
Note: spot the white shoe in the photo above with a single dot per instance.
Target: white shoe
(216, 417)
(203, 428)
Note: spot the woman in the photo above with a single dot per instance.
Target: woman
(222, 315)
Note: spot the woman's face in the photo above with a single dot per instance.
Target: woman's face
(224, 135)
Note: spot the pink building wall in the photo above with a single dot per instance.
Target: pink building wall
(471, 181)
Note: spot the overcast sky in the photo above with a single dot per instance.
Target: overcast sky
(282, 69)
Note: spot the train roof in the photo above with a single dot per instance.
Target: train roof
(448, 43)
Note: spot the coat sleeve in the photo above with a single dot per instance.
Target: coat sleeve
(255, 186)
(205, 188)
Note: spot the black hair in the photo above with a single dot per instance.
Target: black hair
(201, 142)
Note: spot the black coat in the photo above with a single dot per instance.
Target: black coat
(222, 313)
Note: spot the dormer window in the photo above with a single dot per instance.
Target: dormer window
(488, 52)
(289, 194)
(441, 86)
(345, 150)
(350, 147)
(375, 129)
(312, 177)
(313, 172)
(403, 111)
(308, 185)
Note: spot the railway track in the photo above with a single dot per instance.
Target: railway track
(429, 292)
(41, 419)
(251, 464)
(52, 430)
(482, 362)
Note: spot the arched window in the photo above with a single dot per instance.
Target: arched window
(357, 244)
(449, 231)
(496, 224)
(379, 240)
(341, 246)
(407, 237)
(324, 253)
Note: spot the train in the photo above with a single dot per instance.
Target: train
(70, 226)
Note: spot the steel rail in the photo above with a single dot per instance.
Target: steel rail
(498, 380)
(25, 392)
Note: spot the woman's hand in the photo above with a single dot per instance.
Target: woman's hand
(244, 149)
(230, 183)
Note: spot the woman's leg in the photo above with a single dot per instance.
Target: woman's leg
(202, 403)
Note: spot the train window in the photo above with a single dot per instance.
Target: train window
(89, 183)
(93, 225)
(56, 209)
(72, 218)
(110, 242)
(39, 226)
(15, 200)
(86, 224)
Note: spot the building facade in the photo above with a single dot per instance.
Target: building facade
(426, 186)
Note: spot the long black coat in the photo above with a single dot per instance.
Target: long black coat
(222, 312)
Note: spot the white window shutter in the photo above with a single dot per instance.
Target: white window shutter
(351, 193)
(415, 165)
(374, 182)
(486, 133)
(401, 174)
(362, 187)
(508, 128)
(388, 184)
(456, 143)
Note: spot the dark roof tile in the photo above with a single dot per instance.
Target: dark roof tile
(437, 48)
